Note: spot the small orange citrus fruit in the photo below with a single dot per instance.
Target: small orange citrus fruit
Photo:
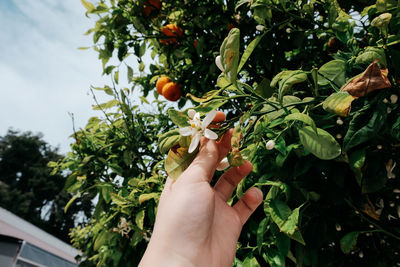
(173, 32)
(172, 91)
(163, 80)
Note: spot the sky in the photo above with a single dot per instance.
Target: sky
(43, 76)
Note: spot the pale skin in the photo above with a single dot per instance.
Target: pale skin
(194, 224)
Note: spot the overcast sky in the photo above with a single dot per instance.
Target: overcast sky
(43, 76)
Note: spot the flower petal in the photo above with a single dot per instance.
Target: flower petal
(223, 164)
(210, 134)
(191, 113)
(219, 63)
(194, 143)
(208, 119)
(186, 131)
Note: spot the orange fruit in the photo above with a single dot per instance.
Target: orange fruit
(172, 91)
(173, 32)
(151, 7)
(163, 80)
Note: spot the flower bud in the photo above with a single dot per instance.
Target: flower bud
(219, 63)
(339, 136)
(260, 27)
(339, 121)
(393, 99)
(223, 164)
(270, 145)
(382, 20)
(385, 101)
(191, 113)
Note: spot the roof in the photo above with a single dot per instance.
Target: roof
(14, 226)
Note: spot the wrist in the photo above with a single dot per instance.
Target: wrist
(161, 255)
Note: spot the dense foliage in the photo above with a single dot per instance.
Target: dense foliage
(311, 89)
(29, 189)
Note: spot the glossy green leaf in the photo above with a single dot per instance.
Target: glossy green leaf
(264, 88)
(260, 233)
(396, 129)
(177, 161)
(179, 118)
(339, 103)
(117, 199)
(349, 242)
(249, 49)
(107, 105)
(286, 79)
(168, 140)
(286, 219)
(332, 73)
(365, 124)
(322, 144)
(205, 108)
(303, 118)
(370, 54)
(70, 202)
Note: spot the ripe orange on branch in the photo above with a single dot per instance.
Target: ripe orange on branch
(173, 32)
(172, 91)
(151, 7)
(163, 80)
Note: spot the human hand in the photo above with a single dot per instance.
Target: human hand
(194, 224)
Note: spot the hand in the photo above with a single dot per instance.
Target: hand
(194, 224)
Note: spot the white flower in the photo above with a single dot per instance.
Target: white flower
(219, 63)
(270, 145)
(123, 227)
(339, 121)
(260, 27)
(223, 164)
(393, 99)
(198, 128)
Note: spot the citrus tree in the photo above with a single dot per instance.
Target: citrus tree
(311, 90)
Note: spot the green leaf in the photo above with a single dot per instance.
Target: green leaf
(147, 197)
(321, 144)
(365, 125)
(349, 242)
(286, 219)
(89, 6)
(107, 105)
(116, 77)
(205, 108)
(356, 162)
(250, 262)
(130, 74)
(224, 83)
(84, 48)
(396, 129)
(287, 79)
(302, 117)
(100, 240)
(370, 54)
(339, 103)
(117, 199)
(264, 88)
(260, 233)
(249, 50)
(70, 202)
(177, 161)
(206, 97)
(333, 73)
(229, 53)
(139, 219)
(179, 118)
(106, 190)
(168, 140)
(273, 257)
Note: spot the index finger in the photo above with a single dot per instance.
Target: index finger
(211, 153)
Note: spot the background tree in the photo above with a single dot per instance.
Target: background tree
(30, 190)
(310, 86)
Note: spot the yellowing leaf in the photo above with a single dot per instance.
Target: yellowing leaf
(177, 161)
(339, 103)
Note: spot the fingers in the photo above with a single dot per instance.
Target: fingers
(230, 179)
(248, 204)
(210, 154)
